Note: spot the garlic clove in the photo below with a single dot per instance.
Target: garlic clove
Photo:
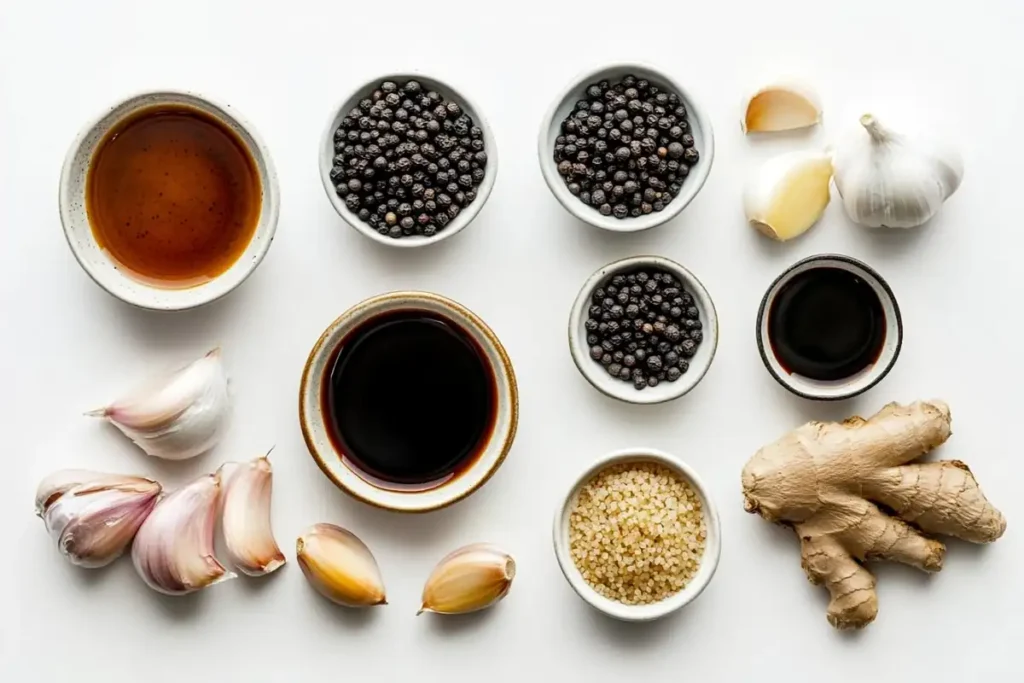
(340, 566)
(93, 516)
(245, 519)
(177, 416)
(470, 579)
(890, 179)
(173, 551)
(788, 194)
(780, 108)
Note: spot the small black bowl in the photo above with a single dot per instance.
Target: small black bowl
(849, 386)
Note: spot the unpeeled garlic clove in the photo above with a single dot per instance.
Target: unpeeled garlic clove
(779, 107)
(788, 194)
(94, 516)
(245, 520)
(469, 579)
(178, 416)
(173, 551)
(340, 566)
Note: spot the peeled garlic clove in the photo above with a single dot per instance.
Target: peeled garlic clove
(340, 566)
(469, 579)
(178, 416)
(245, 520)
(93, 516)
(788, 194)
(173, 551)
(781, 107)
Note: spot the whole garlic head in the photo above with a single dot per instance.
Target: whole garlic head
(894, 180)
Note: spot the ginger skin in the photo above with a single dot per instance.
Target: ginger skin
(827, 480)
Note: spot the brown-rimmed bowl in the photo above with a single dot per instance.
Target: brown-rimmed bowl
(317, 431)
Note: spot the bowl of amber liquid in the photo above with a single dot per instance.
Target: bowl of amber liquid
(169, 200)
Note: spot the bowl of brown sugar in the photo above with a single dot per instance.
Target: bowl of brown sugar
(169, 200)
(638, 537)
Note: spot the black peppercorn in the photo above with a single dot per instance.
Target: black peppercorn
(397, 146)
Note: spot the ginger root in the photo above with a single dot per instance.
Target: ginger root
(851, 493)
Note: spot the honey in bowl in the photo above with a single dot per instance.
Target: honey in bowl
(173, 196)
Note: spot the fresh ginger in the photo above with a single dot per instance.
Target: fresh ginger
(851, 492)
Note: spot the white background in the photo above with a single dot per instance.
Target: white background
(66, 346)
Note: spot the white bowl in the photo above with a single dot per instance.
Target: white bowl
(95, 260)
(326, 159)
(595, 373)
(316, 432)
(700, 125)
(712, 542)
(850, 386)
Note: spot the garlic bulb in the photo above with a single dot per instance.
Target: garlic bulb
(178, 416)
(340, 566)
(94, 516)
(788, 194)
(246, 517)
(892, 180)
(469, 579)
(173, 551)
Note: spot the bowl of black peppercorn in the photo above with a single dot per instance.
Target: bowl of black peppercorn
(643, 330)
(625, 148)
(407, 160)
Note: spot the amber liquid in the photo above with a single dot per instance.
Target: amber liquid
(411, 400)
(173, 195)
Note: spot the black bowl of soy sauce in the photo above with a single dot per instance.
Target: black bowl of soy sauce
(829, 328)
(408, 402)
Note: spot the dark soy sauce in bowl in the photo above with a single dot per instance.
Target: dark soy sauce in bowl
(826, 324)
(410, 400)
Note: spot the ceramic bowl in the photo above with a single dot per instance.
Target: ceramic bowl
(350, 479)
(712, 543)
(104, 270)
(595, 373)
(326, 159)
(564, 104)
(850, 386)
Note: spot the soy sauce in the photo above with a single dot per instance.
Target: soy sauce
(826, 324)
(411, 400)
(173, 196)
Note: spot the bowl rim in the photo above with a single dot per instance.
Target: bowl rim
(712, 546)
(271, 197)
(506, 371)
(464, 218)
(695, 181)
(879, 373)
(583, 361)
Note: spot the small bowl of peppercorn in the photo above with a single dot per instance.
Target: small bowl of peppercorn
(407, 160)
(625, 148)
(643, 330)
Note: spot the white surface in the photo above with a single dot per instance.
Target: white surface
(68, 346)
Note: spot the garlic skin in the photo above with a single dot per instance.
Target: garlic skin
(173, 551)
(245, 518)
(340, 566)
(893, 180)
(788, 194)
(470, 579)
(178, 416)
(93, 516)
